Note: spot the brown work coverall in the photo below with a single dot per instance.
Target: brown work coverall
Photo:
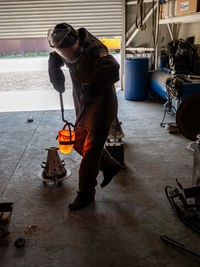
(96, 67)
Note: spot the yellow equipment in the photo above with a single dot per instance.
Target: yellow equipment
(111, 42)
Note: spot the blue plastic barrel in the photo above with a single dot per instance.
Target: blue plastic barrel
(136, 78)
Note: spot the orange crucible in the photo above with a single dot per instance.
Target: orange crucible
(66, 140)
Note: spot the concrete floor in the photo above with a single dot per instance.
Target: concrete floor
(123, 227)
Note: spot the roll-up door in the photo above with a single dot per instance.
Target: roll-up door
(25, 19)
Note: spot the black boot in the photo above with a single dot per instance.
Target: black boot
(109, 174)
(82, 200)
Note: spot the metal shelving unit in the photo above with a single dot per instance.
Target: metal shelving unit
(171, 23)
(195, 17)
(190, 18)
(131, 33)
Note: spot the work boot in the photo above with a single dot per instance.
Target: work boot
(82, 200)
(109, 174)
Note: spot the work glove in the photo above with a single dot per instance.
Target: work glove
(88, 94)
(56, 75)
(59, 81)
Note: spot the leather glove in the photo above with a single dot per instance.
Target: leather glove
(56, 75)
(87, 94)
(59, 81)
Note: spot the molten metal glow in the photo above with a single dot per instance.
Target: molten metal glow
(64, 143)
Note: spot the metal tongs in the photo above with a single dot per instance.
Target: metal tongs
(178, 245)
(78, 117)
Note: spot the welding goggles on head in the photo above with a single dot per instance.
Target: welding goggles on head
(63, 35)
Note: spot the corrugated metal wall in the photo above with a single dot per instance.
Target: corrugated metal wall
(25, 19)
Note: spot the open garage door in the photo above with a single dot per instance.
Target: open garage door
(25, 19)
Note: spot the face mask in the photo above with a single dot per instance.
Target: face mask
(70, 54)
(56, 38)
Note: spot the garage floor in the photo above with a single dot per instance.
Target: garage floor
(124, 225)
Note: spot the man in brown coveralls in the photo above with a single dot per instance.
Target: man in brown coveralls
(93, 72)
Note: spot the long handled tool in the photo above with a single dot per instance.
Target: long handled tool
(78, 117)
(178, 245)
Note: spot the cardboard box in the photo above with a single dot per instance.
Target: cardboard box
(164, 10)
(185, 7)
(167, 10)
